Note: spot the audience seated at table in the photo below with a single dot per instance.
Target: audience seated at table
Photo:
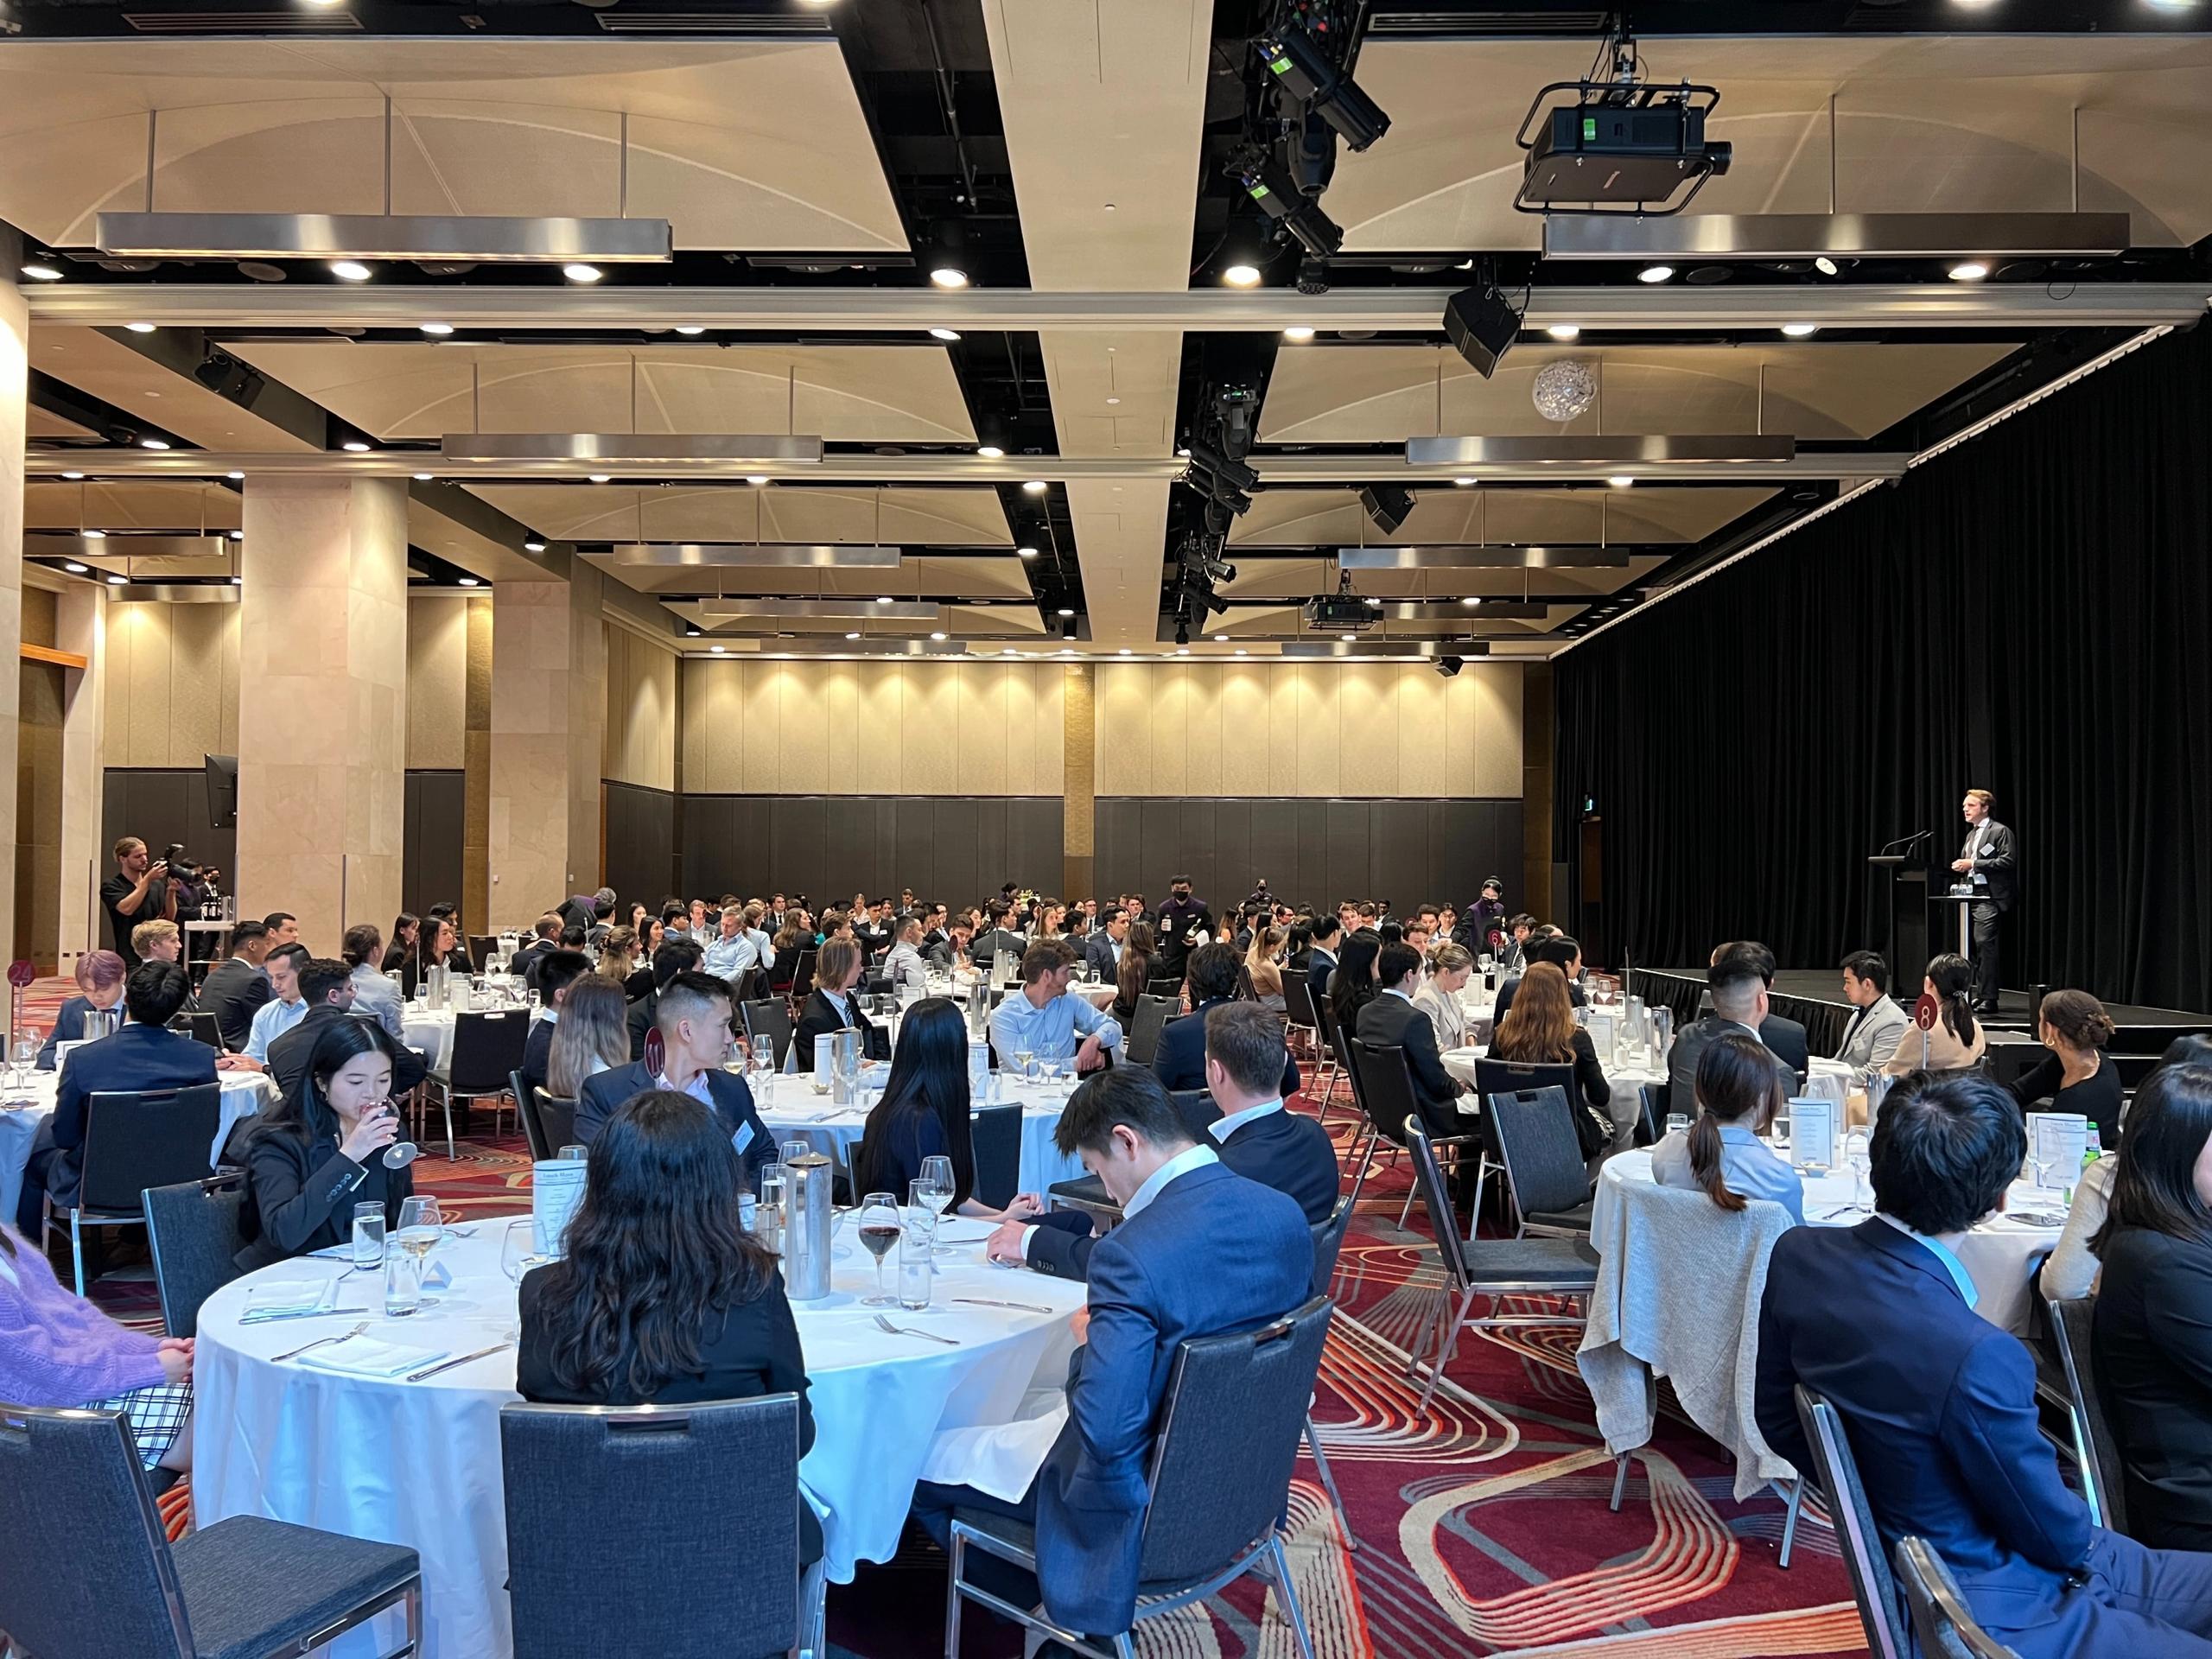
(1563, 953)
(284, 1010)
(320, 1151)
(924, 1113)
(1738, 1096)
(58, 1352)
(1201, 1251)
(1877, 1023)
(2152, 1336)
(833, 1005)
(1263, 963)
(143, 1054)
(1046, 1021)
(1180, 1061)
(1739, 996)
(692, 1015)
(2070, 1270)
(326, 987)
(1139, 966)
(1540, 1031)
(662, 1297)
(1353, 985)
(399, 954)
(375, 997)
(99, 975)
(1327, 934)
(558, 971)
(591, 1036)
(1784, 1037)
(672, 957)
(1955, 1042)
(545, 931)
(902, 965)
(1940, 1404)
(2077, 1076)
(157, 941)
(235, 987)
(1449, 967)
(1392, 1020)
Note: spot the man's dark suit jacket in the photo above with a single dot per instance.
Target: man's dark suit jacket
(1212, 1253)
(1505, 999)
(537, 1052)
(1180, 1062)
(137, 1056)
(1392, 1020)
(1320, 965)
(1099, 950)
(233, 992)
(525, 960)
(1786, 1038)
(68, 1027)
(820, 1017)
(986, 946)
(2000, 863)
(605, 1095)
(1690, 1046)
(640, 1018)
(288, 1055)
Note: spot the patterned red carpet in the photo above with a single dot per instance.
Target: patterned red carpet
(1482, 1525)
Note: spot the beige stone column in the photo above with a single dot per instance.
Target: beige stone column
(1079, 767)
(323, 703)
(476, 783)
(80, 626)
(548, 724)
(14, 405)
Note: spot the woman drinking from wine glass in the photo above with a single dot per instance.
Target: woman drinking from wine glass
(662, 1297)
(324, 1150)
(923, 1115)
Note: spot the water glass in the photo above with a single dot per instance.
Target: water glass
(403, 1284)
(516, 1257)
(368, 1235)
(1778, 1133)
(768, 1215)
(1678, 1123)
(917, 1248)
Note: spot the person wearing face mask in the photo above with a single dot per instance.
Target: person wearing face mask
(320, 1152)
(100, 988)
(1185, 924)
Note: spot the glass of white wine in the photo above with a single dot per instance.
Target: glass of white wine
(1023, 1058)
(421, 1227)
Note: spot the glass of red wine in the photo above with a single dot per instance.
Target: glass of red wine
(880, 1228)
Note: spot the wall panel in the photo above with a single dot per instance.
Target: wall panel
(172, 683)
(437, 682)
(641, 845)
(641, 736)
(958, 848)
(430, 843)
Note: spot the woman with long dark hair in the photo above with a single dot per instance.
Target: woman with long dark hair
(1739, 1092)
(308, 1162)
(406, 928)
(924, 1114)
(663, 1296)
(1140, 959)
(2151, 1338)
(1352, 987)
(1956, 1042)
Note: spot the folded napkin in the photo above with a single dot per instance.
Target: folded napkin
(287, 1296)
(366, 1357)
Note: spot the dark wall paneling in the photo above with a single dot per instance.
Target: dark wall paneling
(640, 844)
(1313, 851)
(158, 804)
(957, 848)
(430, 849)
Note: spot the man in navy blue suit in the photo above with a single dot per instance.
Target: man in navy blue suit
(143, 1054)
(1200, 1252)
(692, 1020)
(1940, 1404)
(1180, 1062)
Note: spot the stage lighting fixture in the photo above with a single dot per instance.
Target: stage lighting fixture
(1482, 324)
(1182, 635)
(1310, 155)
(1312, 276)
(1297, 217)
(1304, 71)
(1208, 463)
(1447, 666)
(1387, 504)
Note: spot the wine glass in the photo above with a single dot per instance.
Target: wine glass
(1678, 1123)
(518, 1250)
(1855, 1153)
(419, 1228)
(934, 1187)
(880, 1228)
(1022, 1059)
(399, 1153)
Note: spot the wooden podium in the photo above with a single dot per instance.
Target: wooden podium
(1902, 881)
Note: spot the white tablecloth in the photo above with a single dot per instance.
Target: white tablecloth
(429, 1029)
(244, 1093)
(418, 1462)
(1998, 1253)
(794, 1112)
(1829, 1079)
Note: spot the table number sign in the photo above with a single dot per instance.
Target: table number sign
(1813, 1134)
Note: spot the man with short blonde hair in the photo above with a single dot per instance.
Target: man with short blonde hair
(157, 941)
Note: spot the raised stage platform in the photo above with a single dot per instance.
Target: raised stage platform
(1813, 997)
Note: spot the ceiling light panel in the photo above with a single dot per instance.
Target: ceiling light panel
(483, 238)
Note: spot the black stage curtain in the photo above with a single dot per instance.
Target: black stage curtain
(2031, 613)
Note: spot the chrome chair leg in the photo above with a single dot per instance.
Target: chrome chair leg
(1279, 1569)
(952, 1596)
(1329, 1481)
(1790, 1520)
(1451, 1346)
(1620, 1481)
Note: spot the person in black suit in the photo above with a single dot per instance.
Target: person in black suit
(1738, 994)
(673, 958)
(1391, 1020)
(1180, 1062)
(662, 1297)
(692, 1017)
(1940, 1404)
(524, 962)
(320, 1152)
(143, 1054)
(997, 935)
(327, 986)
(1322, 959)
(236, 988)
(1563, 953)
(1184, 924)
(1542, 1031)
(99, 975)
(1102, 947)
(831, 1006)
(1989, 860)
(556, 971)
(2150, 1336)
(1785, 1037)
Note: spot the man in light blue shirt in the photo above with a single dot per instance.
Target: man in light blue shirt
(1044, 1020)
(731, 952)
(375, 997)
(278, 1015)
(904, 965)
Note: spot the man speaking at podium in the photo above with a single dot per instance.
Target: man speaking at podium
(1986, 860)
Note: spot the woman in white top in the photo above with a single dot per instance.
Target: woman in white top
(1739, 1092)
(1449, 965)
(591, 1036)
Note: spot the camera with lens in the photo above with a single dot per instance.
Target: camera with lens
(179, 863)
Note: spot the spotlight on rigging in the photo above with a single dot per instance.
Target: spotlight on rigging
(1304, 70)
(1387, 504)
(1310, 153)
(1291, 213)
(1447, 666)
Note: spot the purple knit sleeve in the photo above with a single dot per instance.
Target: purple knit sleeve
(59, 1351)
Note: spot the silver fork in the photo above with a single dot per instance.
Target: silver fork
(903, 1330)
(343, 1336)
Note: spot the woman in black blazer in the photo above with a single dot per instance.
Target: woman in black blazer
(2078, 1077)
(662, 1297)
(1539, 1030)
(837, 968)
(322, 1151)
(2151, 1338)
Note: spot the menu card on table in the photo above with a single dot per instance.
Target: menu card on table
(2055, 1143)
(556, 1187)
(1813, 1129)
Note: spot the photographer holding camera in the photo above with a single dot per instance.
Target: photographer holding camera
(138, 892)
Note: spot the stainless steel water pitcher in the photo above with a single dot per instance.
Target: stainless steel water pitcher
(807, 1218)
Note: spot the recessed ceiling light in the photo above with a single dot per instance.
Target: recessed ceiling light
(42, 273)
(153, 443)
(1352, 639)
(118, 582)
(140, 327)
(1620, 480)
(1564, 330)
(1241, 651)
(424, 478)
(1221, 639)
(440, 329)
(1026, 552)
(234, 477)
(1471, 600)
(1035, 486)
(1654, 274)
(602, 478)
(1064, 611)
(1462, 483)
(1242, 276)
(237, 582)
(2171, 5)
(75, 568)
(852, 636)
(1113, 400)
(349, 271)
(80, 474)
(1374, 603)
(990, 451)
(948, 276)
(690, 329)
(883, 599)
(468, 581)
(718, 650)
(533, 546)
(354, 447)
(1123, 652)
(1801, 330)
(238, 535)
(1298, 332)
(1825, 265)
(1182, 650)
(944, 333)
(756, 479)
(93, 535)
(581, 273)
(1968, 271)
(939, 638)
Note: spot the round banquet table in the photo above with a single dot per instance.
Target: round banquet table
(1829, 1079)
(793, 1112)
(418, 1464)
(23, 1107)
(1998, 1253)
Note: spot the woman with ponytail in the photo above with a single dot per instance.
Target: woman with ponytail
(1956, 1042)
(1737, 1095)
